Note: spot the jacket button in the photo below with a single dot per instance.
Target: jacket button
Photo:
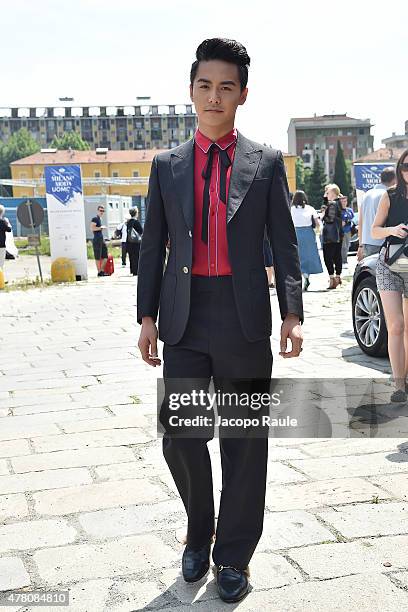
(185, 270)
(190, 233)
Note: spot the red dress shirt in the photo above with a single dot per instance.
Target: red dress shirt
(211, 259)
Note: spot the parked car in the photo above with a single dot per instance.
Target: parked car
(368, 314)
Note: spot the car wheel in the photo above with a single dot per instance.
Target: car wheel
(368, 319)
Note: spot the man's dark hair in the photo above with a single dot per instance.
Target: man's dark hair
(388, 176)
(226, 50)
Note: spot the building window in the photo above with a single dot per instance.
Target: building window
(331, 146)
(361, 130)
(135, 173)
(115, 173)
(23, 175)
(97, 174)
(340, 132)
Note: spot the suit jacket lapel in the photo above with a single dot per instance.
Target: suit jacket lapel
(182, 166)
(244, 167)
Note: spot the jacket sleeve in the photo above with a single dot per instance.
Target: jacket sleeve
(282, 237)
(152, 250)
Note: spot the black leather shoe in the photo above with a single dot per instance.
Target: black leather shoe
(195, 563)
(232, 583)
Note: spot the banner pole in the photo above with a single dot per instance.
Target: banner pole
(36, 247)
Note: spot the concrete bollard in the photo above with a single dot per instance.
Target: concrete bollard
(62, 270)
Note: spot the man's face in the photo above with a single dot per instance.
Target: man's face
(216, 92)
(101, 211)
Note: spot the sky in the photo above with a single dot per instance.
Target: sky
(306, 57)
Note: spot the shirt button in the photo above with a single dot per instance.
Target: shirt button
(190, 233)
(185, 270)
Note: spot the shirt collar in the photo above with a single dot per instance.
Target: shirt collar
(223, 143)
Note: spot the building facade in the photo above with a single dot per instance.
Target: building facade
(397, 141)
(99, 165)
(311, 137)
(114, 127)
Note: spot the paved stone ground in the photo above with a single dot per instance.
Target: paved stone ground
(87, 503)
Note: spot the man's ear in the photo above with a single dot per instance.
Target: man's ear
(191, 93)
(243, 96)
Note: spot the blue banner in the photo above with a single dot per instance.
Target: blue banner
(368, 175)
(63, 182)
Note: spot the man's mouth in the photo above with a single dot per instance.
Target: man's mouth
(214, 110)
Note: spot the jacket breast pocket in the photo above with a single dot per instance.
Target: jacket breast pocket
(167, 300)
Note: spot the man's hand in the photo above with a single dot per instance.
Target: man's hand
(148, 342)
(291, 328)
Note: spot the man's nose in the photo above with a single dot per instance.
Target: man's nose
(214, 97)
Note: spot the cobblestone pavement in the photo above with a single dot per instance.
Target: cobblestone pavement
(86, 500)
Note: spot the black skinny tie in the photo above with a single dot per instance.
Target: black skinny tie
(206, 174)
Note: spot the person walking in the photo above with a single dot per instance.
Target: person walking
(213, 196)
(391, 226)
(368, 209)
(99, 245)
(133, 239)
(305, 219)
(347, 216)
(5, 226)
(332, 235)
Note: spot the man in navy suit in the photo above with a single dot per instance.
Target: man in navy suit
(212, 197)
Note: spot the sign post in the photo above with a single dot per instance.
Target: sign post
(31, 214)
(66, 216)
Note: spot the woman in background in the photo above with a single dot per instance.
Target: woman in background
(390, 225)
(332, 235)
(305, 220)
(4, 227)
(134, 237)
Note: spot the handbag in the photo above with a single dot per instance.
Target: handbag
(133, 235)
(396, 257)
(313, 222)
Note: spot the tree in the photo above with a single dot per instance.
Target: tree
(341, 173)
(20, 144)
(300, 174)
(308, 174)
(317, 183)
(70, 140)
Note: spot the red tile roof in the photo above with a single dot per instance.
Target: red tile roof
(383, 154)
